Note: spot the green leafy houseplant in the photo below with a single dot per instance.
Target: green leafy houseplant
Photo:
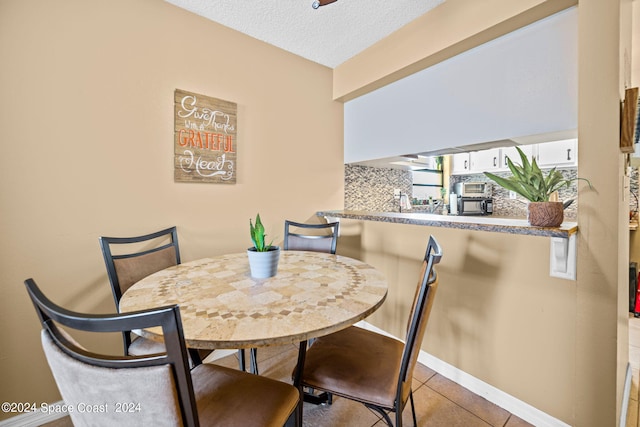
(529, 181)
(258, 235)
(439, 160)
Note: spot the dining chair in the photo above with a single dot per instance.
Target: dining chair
(137, 258)
(371, 368)
(304, 237)
(154, 389)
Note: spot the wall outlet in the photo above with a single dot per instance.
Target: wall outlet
(512, 194)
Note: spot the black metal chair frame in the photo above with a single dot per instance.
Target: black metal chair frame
(168, 318)
(116, 289)
(334, 235)
(432, 256)
(106, 242)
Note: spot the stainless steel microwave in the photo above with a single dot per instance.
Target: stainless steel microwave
(470, 189)
(475, 206)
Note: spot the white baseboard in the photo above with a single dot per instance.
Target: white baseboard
(515, 406)
(511, 404)
(507, 402)
(219, 354)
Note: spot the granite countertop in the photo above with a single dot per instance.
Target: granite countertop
(479, 223)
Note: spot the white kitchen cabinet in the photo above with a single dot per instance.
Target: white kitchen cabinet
(513, 154)
(460, 163)
(562, 153)
(485, 160)
(558, 153)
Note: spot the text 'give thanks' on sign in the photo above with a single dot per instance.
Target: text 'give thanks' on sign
(205, 140)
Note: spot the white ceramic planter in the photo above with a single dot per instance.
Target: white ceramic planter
(263, 264)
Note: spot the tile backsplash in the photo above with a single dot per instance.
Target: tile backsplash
(505, 206)
(370, 188)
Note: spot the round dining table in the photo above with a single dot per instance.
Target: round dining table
(223, 307)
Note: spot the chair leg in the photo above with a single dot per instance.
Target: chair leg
(399, 418)
(253, 360)
(253, 354)
(413, 409)
(195, 357)
(385, 416)
(242, 360)
(302, 354)
(293, 419)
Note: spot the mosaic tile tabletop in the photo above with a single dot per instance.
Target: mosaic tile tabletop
(222, 306)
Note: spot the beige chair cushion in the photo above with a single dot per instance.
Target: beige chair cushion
(314, 244)
(86, 387)
(142, 346)
(132, 270)
(355, 363)
(231, 398)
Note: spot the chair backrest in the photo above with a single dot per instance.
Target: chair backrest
(106, 390)
(419, 315)
(143, 255)
(314, 241)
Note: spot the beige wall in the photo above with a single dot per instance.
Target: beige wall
(561, 346)
(87, 141)
(634, 77)
(634, 74)
(495, 317)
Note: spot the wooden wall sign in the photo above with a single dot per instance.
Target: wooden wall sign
(629, 118)
(205, 140)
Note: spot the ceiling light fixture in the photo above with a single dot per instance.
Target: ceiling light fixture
(316, 4)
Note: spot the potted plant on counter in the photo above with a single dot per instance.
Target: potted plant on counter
(544, 210)
(263, 257)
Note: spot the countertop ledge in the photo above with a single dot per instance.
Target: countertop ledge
(479, 223)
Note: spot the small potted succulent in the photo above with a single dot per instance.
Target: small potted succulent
(529, 182)
(263, 256)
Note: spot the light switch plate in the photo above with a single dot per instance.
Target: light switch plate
(562, 258)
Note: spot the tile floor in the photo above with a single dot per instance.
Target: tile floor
(439, 402)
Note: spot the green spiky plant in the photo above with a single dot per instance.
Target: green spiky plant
(258, 235)
(529, 181)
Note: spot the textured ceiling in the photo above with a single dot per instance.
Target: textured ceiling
(329, 35)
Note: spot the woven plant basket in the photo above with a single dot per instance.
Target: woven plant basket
(545, 214)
